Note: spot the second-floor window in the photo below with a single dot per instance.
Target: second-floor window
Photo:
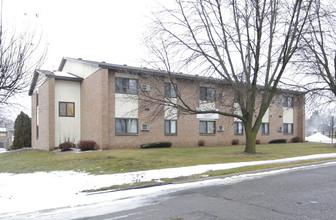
(287, 101)
(37, 100)
(207, 94)
(170, 90)
(126, 85)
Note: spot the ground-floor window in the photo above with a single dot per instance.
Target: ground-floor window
(170, 126)
(288, 128)
(207, 127)
(265, 128)
(126, 126)
(238, 127)
(66, 109)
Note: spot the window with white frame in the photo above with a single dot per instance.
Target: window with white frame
(170, 127)
(207, 127)
(265, 128)
(288, 128)
(238, 127)
(170, 90)
(126, 85)
(287, 101)
(207, 94)
(126, 126)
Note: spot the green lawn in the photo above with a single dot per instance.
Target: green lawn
(116, 161)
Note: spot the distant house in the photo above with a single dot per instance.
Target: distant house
(6, 136)
(88, 100)
(3, 138)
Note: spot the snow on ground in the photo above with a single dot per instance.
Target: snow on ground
(319, 138)
(21, 194)
(2, 150)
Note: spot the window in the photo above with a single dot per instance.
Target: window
(207, 127)
(170, 126)
(37, 100)
(287, 102)
(126, 86)
(37, 131)
(238, 127)
(207, 94)
(126, 126)
(288, 128)
(66, 109)
(170, 90)
(265, 128)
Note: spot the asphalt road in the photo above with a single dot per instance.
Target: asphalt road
(304, 194)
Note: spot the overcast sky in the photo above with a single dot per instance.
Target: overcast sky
(101, 30)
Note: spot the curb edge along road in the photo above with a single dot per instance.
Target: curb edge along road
(190, 180)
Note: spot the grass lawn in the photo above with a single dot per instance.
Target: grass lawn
(117, 161)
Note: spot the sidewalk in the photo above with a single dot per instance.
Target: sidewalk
(31, 192)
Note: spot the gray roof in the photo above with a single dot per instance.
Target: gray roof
(136, 70)
(144, 70)
(49, 74)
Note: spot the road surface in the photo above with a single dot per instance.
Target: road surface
(308, 193)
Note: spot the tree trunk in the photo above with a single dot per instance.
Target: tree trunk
(250, 146)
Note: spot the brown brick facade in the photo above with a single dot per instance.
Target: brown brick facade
(98, 107)
(188, 133)
(45, 140)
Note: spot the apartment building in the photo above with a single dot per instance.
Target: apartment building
(119, 106)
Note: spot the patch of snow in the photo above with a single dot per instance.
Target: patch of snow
(3, 150)
(318, 137)
(23, 195)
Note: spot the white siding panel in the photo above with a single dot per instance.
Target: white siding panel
(171, 112)
(237, 111)
(288, 115)
(67, 128)
(79, 69)
(126, 106)
(265, 119)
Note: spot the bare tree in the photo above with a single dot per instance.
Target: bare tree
(246, 45)
(318, 52)
(18, 60)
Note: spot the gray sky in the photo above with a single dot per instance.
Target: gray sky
(101, 30)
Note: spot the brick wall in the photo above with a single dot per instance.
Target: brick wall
(94, 108)
(46, 96)
(187, 125)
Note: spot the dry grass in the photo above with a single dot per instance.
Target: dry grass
(116, 161)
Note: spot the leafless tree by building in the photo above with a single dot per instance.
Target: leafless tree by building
(20, 55)
(317, 57)
(245, 45)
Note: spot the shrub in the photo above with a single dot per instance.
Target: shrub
(66, 146)
(87, 145)
(201, 143)
(278, 141)
(161, 144)
(235, 142)
(257, 141)
(296, 139)
(22, 131)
